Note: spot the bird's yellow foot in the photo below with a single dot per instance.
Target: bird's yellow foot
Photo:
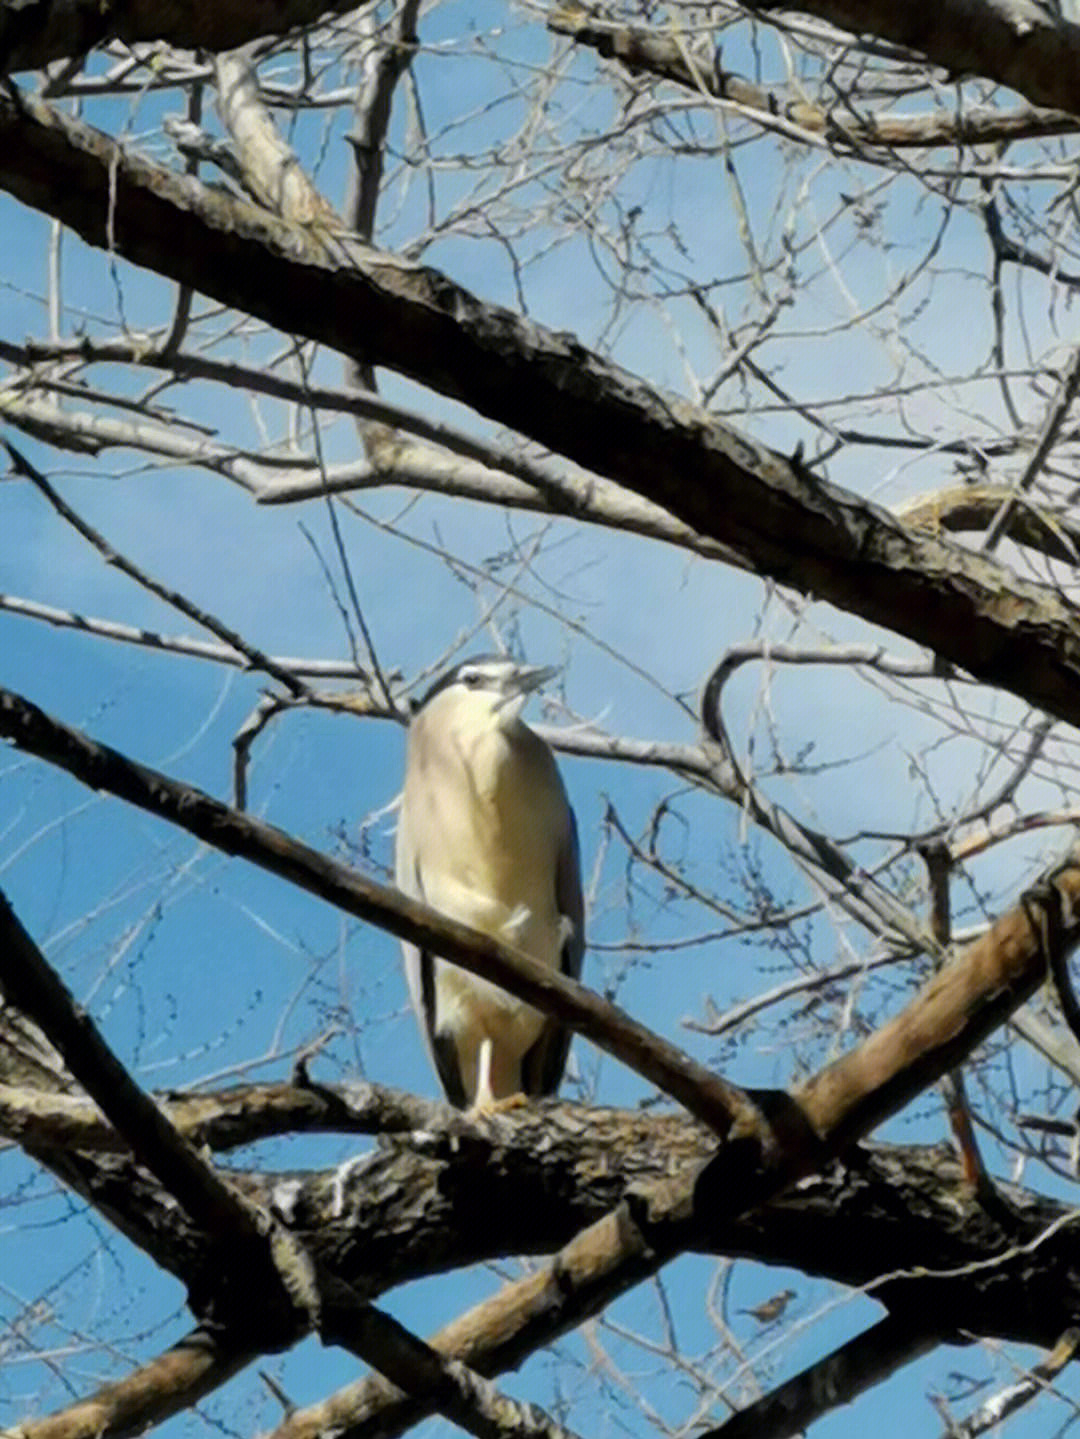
(488, 1104)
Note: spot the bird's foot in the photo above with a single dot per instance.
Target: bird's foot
(487, 1104)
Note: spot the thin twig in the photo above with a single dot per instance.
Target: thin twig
(938, 860)
(853, 889)
(170, 1383)
(255, 657)
(1044, 443)
(836, 1379)
(999, 1407)
(704, 1094)
(29, 983)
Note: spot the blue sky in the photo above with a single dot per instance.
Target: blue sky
(198, 969)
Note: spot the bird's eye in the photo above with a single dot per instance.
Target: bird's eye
(470, 678)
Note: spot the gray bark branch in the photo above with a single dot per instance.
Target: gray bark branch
(33, 35)
(781, 519)
(1022, 43)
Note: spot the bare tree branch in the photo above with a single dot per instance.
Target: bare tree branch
(232, 832)
(974, 507)
(1049, 429)
(452, 1387)
(774, 311)
(696, 65)
(280, 1293)
(997, 1409)
(33, 35)
(173, 644)
(1022, 43)
(270, 169)
(828, 1383)
(969, 609)
(495, 462)
(964, 1002)
(169, 1384)
(227, 1119)
(255, 657)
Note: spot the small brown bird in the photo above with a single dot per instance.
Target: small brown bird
(771, 1309)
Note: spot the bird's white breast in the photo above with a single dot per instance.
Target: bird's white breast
(493, 827)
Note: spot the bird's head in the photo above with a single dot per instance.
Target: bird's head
(491, 686)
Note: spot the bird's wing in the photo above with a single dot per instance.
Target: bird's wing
(543, 1065)
(420, 975)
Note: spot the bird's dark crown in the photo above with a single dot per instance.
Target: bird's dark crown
(483, 667)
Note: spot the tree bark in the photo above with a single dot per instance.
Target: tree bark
(33, 35)
(781, 519)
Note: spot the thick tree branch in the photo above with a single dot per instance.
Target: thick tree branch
(836, 1379)
(602, 1262)
(33, 35)
(689, 62)
(914, 1231)
(626, 1179)
(781, 519)
(905, 1211)
(1022, 43)
(227, 1119)
(168, 1385)
(960, 1006)
(232, 832)
(452, 1387)
(28, 982)
(265, 1262)
(963, 1003)
(914, 1234)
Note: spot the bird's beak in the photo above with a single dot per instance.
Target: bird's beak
(531, 677)
(526, 678)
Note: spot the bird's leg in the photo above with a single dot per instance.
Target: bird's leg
(484, 1097)
(485, 1101)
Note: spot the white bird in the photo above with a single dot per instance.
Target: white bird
(486, 836)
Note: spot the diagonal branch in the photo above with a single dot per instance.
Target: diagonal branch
(167, 1385)
(33, 35)
(255, 657)
(29, 983)
(716, 1103)
(264, 1253)
(1023, 43)
(499, 472)
(450, 1386)
(781, 519)
(695, 65)
(995, 1410)
(838, 1378)
(963, 1003)
(595, 1267)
